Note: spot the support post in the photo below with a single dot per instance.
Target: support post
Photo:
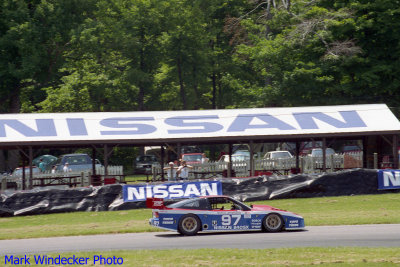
(30, 167)
(3, 185)
(23, 169)
(162, 163)
(251, 144)
(395, 151)
(229, 171)
(297, 150)
(94, 160)
(324, 154)
(105, 159)
(364, 153)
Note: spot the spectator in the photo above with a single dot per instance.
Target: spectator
(171, 171)
(204, 159)
(53, 169)
(42, 166)
(66, 167)
(183, 170)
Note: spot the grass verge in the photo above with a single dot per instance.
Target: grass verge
(137, 178)
(349, 210)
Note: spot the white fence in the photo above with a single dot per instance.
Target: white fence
(307, 164)
(75, 178)
(333, 162)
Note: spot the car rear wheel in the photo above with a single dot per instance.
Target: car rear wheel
(189, 224)
(273, 223)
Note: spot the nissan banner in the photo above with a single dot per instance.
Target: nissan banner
(388, 179)
(133, 193)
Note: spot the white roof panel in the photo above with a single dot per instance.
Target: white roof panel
(196, 124)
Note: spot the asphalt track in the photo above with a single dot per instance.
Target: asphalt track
(379, 235)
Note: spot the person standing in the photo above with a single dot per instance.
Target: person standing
(66, 167)
(204, 158)
(54, 169)
(171, 171)
(183, 170)
(42, 166)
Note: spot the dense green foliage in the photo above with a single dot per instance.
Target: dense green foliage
(127, 55)
(117, 55)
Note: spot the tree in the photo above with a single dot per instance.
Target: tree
(184, 47)
(33, 36)
(295, 53)
(114, 60)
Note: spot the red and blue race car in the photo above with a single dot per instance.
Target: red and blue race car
(220, 213)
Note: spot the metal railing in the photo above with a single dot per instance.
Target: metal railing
(72, 178)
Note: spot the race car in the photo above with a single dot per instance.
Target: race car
(220, 213)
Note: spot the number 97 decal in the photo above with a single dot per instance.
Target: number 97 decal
(227, 219)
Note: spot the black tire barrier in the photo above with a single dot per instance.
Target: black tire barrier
(109, 197)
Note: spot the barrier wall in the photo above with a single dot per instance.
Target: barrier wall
(109, 197)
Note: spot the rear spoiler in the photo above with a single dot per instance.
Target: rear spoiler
(155, 203)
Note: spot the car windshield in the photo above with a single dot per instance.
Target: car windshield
(18, 172)
(317, 152)
(47, 159)
(77, 160)
(278, 155)
(192, 157)
(239, 157)
(236, 158)
(197, 204)
(242, 152)
(226, 203)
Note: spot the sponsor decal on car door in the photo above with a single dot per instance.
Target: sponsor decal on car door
(230, 220)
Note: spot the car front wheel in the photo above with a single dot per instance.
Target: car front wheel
(273, 223)
(189, 224)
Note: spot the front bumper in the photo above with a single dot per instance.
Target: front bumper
(154, 222)
(294, 223)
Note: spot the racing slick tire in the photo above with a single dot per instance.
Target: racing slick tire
(189, 224)
(273, 223)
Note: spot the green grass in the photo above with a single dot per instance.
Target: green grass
(137, 178)
(248, 257)
(346, 210)
(76, 223)
(365, 209)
